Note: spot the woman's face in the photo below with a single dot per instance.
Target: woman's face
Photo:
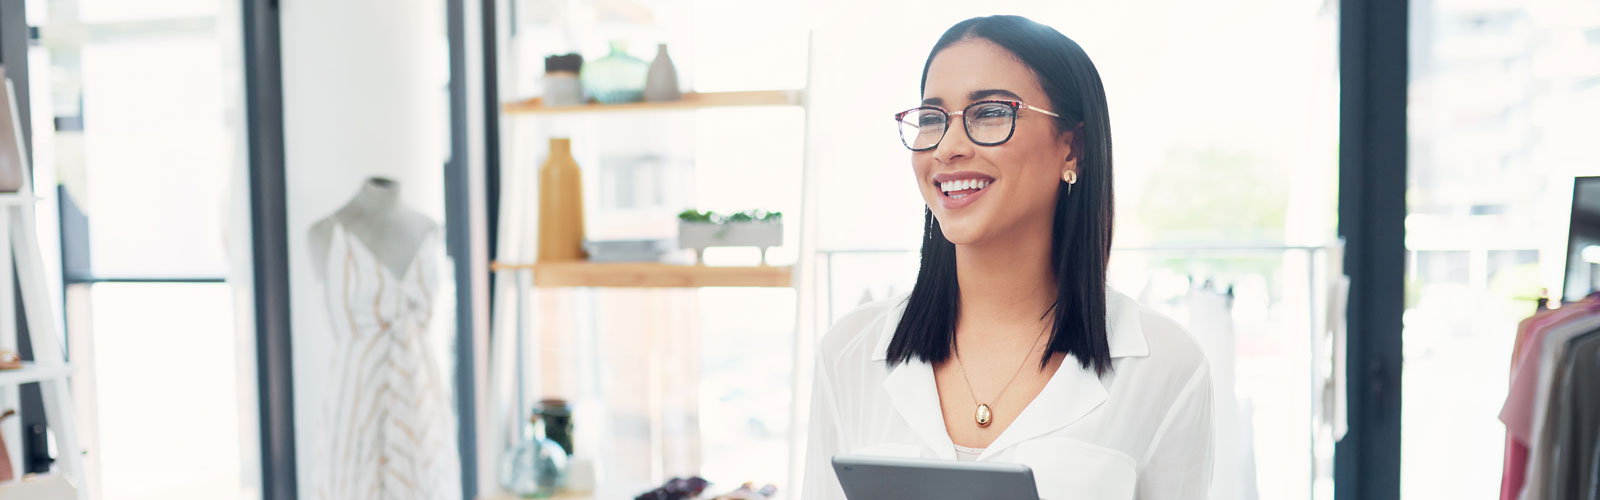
(1020, 177)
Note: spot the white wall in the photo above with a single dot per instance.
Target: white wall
(364, 89)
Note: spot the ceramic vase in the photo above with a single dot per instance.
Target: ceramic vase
(560, 205)
(662, 82)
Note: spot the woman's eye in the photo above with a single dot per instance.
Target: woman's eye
(992, 112)
(930, 120)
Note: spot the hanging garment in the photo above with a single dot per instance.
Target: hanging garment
(1525, 391)
(1211, 324)
(1515, 463)
(1536, 421)
(391, 423)
(1594, 472)
(1576, 414)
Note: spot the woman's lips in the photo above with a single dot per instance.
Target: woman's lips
(962, 188)
(961, 198)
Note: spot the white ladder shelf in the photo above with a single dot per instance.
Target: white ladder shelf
(49, 368)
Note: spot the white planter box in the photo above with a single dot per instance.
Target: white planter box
(703, 235)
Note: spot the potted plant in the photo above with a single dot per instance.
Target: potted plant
(751, 228)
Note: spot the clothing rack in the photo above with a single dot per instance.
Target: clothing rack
(1552, 407)
(1552, 426)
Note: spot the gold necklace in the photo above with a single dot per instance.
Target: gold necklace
(984, 414)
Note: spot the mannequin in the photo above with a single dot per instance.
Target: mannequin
(376, 218)
(386, 419)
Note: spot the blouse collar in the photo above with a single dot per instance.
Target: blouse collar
(1070, 394)
(1125, 334)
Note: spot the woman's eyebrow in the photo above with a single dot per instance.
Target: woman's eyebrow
(988, 93)
(976, 95)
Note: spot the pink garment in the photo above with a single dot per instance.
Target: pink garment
(1515, 472)
(1517, 413)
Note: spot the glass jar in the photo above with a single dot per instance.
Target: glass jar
(535, 467)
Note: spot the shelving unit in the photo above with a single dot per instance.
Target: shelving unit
(16, 198)
(650, 275)
(33, 373)
(22, 261)
(518, 309)
(690, 101)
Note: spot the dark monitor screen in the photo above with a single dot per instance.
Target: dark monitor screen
(1583, 241)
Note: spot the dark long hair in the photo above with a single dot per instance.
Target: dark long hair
(1080, 235)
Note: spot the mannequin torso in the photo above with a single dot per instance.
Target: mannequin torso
(376, 218)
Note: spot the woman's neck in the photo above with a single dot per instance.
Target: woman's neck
(1006, 282)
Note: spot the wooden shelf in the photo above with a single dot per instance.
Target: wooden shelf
(44, 486)
(651, 275)
(690, 101)
(32, 373)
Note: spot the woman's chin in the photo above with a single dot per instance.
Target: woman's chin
(962, 232)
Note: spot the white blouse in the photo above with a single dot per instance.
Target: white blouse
(1141, 431)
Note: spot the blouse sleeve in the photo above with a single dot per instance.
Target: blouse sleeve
(1178, 464)
(824, 439)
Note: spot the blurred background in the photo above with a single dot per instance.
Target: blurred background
(184, 153)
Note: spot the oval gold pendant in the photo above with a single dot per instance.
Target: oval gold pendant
(983, 415)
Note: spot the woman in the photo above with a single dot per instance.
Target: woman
(1010, 348)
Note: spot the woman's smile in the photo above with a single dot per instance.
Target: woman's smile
(961, 189)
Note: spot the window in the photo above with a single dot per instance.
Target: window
(1502, 100)
(138, 111)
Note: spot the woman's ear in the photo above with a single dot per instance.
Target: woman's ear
(1074, 141)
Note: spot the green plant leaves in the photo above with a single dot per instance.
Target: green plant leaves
(692, 215)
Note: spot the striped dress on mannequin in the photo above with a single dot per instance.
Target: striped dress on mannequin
(389, 420)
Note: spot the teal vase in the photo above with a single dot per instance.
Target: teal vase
(617, 77)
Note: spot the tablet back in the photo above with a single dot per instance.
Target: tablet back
(893, 478)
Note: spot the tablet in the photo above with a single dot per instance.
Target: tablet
(894, 478)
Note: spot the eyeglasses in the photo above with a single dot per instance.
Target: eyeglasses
(988, 123)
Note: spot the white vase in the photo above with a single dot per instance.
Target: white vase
(562, 89)
(662, 82)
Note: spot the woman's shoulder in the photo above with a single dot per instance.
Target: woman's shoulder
(1169, 346)
(859, 332)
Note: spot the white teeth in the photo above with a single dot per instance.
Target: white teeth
(957, 196)
(961, 185)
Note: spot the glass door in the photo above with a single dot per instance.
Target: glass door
(1503, 96)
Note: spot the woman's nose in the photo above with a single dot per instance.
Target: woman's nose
(955, 145)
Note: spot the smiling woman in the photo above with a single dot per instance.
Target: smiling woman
(1017, 237)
